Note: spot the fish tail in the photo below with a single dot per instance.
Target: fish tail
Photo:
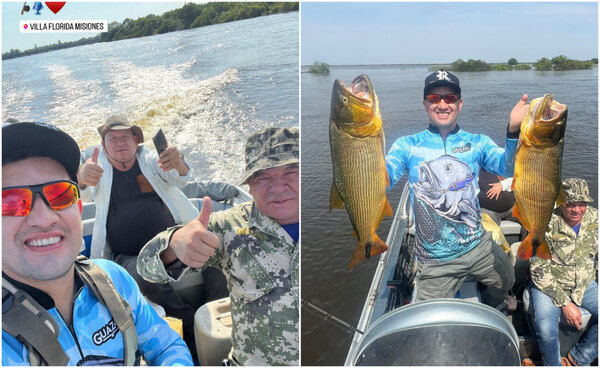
(369, 249)
(543, 251)
(525, 250)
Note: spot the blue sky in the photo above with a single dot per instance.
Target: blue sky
(442, 32)
(109, 11)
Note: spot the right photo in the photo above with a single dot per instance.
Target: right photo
(449, 187)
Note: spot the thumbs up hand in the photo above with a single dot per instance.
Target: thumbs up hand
(90, 172)
(193, 244)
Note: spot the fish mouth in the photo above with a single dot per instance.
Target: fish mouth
(361, 88)
(356, 100)
(548, 110)
(549, 120)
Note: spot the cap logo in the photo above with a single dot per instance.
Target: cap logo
(443, 75)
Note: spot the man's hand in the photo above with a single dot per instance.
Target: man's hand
(572, 315)
(193, 244)
(91, 172)
(518, 114)
(171, 159)
(494, 191)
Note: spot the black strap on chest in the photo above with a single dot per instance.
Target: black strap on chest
(26, 320)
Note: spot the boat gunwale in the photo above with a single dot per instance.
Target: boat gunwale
(401, 219)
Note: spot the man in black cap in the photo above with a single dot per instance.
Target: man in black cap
(442, 163)
(58, 308)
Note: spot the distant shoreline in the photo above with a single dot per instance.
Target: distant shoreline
(179, 19)
(426, 64)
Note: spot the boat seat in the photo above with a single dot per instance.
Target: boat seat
(88, 211)
(510, 227)
(217, 206)
(440, 332)
(88, 228)
(212, 330)
(469, 291)
(521, 267)
(513, 231)
(568, 335)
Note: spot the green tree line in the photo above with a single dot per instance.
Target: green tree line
(319, 68)
(189, 16)
(560, 62)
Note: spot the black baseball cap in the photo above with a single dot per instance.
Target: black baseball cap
(441, 78)
(21, 140)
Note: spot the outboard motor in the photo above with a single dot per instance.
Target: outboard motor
(440, 332)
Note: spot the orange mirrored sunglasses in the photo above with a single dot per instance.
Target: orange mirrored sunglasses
(58, 195)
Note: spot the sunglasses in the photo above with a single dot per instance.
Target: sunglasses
(436, 99)
(58, 195)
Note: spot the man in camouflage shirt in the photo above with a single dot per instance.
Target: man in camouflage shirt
(568, 282)
(255, 245)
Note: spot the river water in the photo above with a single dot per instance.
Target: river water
(327, 243)
(207, 88)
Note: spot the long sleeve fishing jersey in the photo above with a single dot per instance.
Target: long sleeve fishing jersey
(93, 337)
(443, 186)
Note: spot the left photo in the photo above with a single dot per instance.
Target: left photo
(150, 183)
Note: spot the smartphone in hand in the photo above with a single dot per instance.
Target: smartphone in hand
(160, 141)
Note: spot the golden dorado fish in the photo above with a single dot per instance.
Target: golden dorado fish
(536, 183)
(360, 178)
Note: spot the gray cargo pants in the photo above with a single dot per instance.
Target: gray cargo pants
(486, 263)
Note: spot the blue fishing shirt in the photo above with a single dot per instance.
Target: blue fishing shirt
(95, 334)
(443, 186)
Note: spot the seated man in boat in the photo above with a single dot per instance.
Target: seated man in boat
(137, 196)
(495, 196)
(256, 246)
(442, 163)
(567, 283)
(60, 308)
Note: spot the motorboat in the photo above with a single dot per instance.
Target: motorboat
(394, 330)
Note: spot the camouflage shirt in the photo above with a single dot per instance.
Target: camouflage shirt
(574, 259)
(260, 261)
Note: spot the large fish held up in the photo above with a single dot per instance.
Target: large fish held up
(360, 177)
(536, 183)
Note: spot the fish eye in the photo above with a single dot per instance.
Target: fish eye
(448, 169)
(345, 99)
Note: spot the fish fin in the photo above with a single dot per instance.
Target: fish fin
(386, 211)
(525, 250)
(335, 200)
(561, 198)
(377, 246)
(516, 214)
(357, 256)
(543, 251)
(354, 235)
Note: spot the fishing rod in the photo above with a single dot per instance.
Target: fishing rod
(328, 317)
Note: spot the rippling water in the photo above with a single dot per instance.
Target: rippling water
(327, 243)
(207, 88)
